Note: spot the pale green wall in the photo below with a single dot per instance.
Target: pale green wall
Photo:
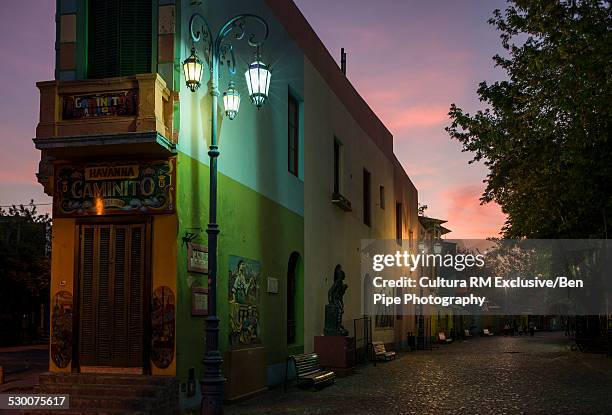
(252, 226)
(254, 145)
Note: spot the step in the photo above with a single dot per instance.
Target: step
(146, 391)
(105, 379)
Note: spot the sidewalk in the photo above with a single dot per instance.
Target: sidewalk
(494, 375)
(22, 365)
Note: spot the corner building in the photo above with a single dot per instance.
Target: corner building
(124, 147)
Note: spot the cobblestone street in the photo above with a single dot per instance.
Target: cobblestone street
(499, 375)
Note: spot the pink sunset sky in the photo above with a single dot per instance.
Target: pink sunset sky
(409, 59)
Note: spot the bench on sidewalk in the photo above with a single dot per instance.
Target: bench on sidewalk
(442, 338)
(308, 371)
(486, 332)
(379, 352)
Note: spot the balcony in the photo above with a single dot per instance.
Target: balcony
(130, 115)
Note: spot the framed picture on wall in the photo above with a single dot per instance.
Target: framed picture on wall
(197, 258)
(199, 301)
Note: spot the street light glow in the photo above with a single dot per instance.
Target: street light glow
(231, 101)
(258, 81)
(192, 67)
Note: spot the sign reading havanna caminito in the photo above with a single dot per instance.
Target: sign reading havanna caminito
(115, 188)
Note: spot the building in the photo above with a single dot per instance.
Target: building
(124, 149)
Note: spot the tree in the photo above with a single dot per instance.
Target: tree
(24, 269)
(545, 131)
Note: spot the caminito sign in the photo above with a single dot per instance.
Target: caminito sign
(115, 188)
(100, 105)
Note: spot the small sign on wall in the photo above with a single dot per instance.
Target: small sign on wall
(199, 301)
(272, 285)
(197, 258)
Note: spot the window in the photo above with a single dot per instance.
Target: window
(367, 198)
(291, 298)
(293, 136)
(119, 37)
(398, 223)
(337, 167)
(382, 197)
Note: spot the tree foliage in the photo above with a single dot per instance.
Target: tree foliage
(544, 133)
(24, 267)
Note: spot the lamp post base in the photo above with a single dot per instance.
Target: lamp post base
(212, 395)
(213, 382)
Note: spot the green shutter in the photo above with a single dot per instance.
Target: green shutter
(119, 37)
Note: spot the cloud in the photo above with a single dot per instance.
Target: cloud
(419, 116)
(467, 218)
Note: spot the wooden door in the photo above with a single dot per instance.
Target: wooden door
(111, 296)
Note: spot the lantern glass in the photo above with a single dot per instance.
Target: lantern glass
(258, 82)
(192, 67)
(231, 101)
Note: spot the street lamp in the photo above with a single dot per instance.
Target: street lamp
(231, 101)
(258, 81)
(216, 51)
(192, 67)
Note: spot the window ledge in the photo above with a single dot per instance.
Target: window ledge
(342, 202)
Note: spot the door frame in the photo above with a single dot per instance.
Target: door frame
(147, 286)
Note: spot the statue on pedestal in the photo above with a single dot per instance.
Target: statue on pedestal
(335, 308)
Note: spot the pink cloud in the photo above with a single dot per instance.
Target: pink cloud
(419, 116)
(467, 218)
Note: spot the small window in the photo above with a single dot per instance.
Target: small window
(293, 136)
(398, 223)
(337, 167)
(367, 198)
(382, 197)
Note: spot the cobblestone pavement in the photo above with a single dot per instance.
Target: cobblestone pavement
(498, 375)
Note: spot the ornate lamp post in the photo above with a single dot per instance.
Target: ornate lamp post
(218, 51)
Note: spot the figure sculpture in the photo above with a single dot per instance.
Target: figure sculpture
(335, 307)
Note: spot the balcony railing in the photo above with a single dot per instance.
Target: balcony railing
(111, 106)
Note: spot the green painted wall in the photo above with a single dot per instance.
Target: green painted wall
(252, 226)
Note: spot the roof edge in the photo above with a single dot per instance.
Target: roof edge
(296, 25)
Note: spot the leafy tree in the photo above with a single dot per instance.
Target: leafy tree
(24, 269)
(544, 133)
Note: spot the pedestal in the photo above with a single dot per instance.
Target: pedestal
(336, 353)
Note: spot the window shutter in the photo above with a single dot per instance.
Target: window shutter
(120, 328)
(136, 24)
(136, 286)
(87, 298)
(103, 39)
(120, 36)
(105, 298)
(111, 278)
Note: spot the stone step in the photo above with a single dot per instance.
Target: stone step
(94, 378)
(112, 394)
(147, 391)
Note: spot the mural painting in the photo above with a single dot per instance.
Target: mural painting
(162, 327)
(244, 284)
(61, 330)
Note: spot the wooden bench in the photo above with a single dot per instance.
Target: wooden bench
(442, 338)
(486, 332)
(380, 352)
(308, 371)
